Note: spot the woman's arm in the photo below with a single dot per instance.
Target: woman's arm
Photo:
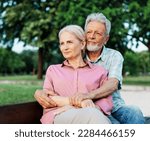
(60, 100)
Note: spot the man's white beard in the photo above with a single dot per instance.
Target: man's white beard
(92, 47)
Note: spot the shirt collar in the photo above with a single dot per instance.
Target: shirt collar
(66, 63)
(101, 57)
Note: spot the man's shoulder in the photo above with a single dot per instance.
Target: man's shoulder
(113, 52)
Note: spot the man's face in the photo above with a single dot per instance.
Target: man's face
(96, 36)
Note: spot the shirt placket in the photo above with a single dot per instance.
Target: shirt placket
(76, 87)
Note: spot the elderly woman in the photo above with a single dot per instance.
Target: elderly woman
(73, 76)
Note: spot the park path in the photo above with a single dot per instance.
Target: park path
(137, 95)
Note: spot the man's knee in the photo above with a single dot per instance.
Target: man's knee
(129, 114)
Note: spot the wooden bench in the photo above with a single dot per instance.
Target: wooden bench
(25, 113)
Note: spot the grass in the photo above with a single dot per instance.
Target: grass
(18, 89)
(12, 93)
(137, 80)
(21, 88)
(20, 77)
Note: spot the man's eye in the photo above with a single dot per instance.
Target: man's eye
(88, 32)
(98, 33)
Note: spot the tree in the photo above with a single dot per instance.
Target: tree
(30, 22)
(131, 61)
(10, 62)
(37, 22)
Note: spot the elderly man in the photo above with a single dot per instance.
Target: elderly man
(97, 28)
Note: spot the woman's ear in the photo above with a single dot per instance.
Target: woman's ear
(83, 45)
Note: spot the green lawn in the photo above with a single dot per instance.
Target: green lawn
(12, 93)
(21, 88)
(18, 89)
(20, 77)
(137, 80)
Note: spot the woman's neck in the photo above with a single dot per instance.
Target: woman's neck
(76, 62)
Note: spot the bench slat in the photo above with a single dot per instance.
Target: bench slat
(25, 113)
(21, 113)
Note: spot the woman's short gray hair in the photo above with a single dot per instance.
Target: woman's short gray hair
(75, 29)
(100, 18)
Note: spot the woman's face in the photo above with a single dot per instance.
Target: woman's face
(70, 45)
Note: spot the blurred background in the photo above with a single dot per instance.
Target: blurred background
(29, 42)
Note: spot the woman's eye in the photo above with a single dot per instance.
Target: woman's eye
(60, 44)
(70, 42)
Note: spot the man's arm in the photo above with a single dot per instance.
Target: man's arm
(108, 87)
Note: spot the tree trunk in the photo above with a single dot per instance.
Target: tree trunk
(40, 63)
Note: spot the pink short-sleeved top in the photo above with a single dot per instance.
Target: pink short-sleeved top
(66, 81)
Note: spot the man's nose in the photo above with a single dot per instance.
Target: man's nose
(92, 35)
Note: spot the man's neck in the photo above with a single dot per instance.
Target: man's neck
(93, 55)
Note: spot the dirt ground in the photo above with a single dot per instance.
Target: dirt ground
(137, 95)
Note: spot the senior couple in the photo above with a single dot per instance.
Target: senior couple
(85, 90)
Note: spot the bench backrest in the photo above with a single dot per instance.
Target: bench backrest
(29, 113)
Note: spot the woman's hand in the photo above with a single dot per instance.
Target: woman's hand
(88, 103)
(63, 109)
(43, 98)
(76, 99)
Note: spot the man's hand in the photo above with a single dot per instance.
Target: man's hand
(76, 99)
(43, 97)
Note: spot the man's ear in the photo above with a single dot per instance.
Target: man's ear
(106, 40)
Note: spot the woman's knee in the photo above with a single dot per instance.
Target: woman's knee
(94, 116)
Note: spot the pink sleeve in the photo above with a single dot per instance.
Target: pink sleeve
(104, 77)
(48, 83)
(105, 104)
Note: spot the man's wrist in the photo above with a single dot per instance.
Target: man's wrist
(90, 95)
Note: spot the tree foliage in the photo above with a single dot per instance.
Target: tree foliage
(136, 63)
(37, 22)
(13, 63)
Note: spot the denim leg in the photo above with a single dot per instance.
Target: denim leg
(113, 120)
(129, 115)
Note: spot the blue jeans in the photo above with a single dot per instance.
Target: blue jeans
(127, 115)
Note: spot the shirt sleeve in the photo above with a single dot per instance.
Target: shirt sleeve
(105, 104)
(48, 83)
(116, 66)
(104, 77)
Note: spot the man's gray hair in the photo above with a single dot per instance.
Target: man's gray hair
(100, 18)
(75, 29)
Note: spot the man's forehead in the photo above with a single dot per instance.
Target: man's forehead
(96, 25)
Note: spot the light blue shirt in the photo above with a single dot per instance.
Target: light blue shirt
(112, 61)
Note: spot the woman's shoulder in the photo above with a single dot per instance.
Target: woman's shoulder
(53, 67)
